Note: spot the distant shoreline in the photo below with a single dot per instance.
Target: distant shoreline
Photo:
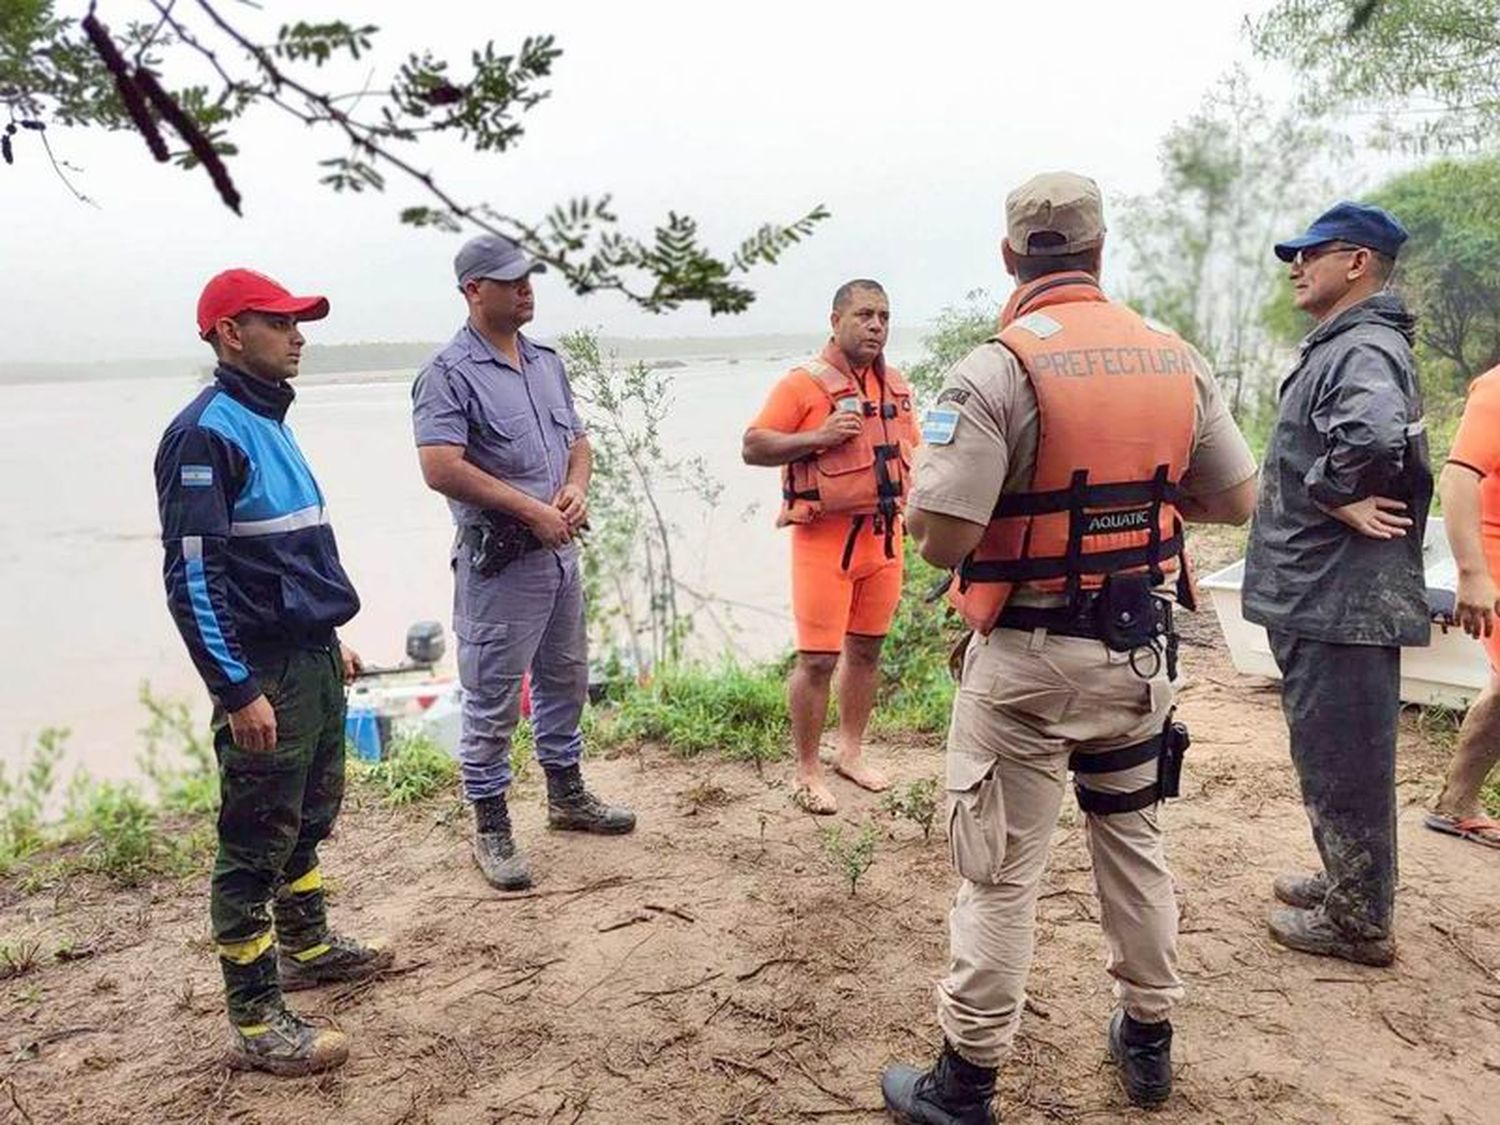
(392, 359)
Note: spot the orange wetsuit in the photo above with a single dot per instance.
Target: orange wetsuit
(831, 600)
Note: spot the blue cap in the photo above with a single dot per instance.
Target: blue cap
(495, 257)
(1358, 223)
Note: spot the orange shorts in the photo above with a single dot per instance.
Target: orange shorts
(828, 601)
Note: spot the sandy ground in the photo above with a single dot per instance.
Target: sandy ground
(714, 968)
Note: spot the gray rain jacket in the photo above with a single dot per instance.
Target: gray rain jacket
(1349, 425)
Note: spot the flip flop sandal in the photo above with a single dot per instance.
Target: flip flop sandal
(1478, 829)
(805, 800)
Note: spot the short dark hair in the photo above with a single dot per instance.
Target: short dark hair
(1029, 267)
(845, 292)
(1384, 264)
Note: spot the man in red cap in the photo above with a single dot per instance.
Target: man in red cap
(255, 586)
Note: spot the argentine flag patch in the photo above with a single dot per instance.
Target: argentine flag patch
(197, 476)
(938, 425)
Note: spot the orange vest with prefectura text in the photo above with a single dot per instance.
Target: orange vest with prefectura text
(1116, 401)
(869, 473)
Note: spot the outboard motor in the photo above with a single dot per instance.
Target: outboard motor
(425, 644)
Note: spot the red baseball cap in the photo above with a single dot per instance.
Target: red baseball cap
(235, 291)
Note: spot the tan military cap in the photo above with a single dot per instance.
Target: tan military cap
(1056, 204)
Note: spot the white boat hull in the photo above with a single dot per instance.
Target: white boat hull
(1449, 672)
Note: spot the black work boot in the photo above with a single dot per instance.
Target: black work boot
(286, 1045)
(953, 1092)
(572, 808)
(504, 867)
(334, 960)
(1143, 1052)
(1313, 931)
(1302, 891)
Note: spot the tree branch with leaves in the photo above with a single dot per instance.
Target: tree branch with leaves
(58, 72)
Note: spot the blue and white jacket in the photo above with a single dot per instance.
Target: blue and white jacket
(251, 567)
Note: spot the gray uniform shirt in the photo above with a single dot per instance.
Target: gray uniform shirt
(1349, 425)
(516, 424)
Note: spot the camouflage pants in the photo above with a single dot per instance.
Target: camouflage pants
(276, 807)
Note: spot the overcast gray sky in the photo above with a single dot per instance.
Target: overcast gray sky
(909, 122)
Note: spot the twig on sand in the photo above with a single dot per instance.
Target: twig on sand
(620, 964)
(16, 1101)
(672, 910)
(1465, 952)
(607, 883)
(356, 988)
(528, 973)
(839, 1111)
(631, 920)
(63, 1033)
(796, 1064)
(1037, 1010)
(657, 993)
(748, 1068)
(1397, 1032)
(751, 974)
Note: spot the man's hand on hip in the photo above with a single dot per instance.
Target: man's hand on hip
(1376, 517)
(254, 725)
(1478, 603)
(572, 502)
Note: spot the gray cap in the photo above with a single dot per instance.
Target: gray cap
(494, 257)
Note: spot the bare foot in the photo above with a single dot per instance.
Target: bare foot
(813, 795)
(866, 776)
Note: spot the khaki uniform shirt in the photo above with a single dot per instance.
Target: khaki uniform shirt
(994, 444)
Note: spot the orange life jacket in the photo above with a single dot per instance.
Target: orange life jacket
(868, 474)
(1116, 405)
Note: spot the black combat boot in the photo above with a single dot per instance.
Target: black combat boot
(1316, 931)
(503, 866)
(1143, 1052)
(1303, 891)
(953, 1092)
(572, 808)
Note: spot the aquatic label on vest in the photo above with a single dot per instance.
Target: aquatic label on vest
(849, 404)
(938, 426)
(197, 476)
(1111, 523)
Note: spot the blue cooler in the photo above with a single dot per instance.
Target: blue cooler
(362, 732)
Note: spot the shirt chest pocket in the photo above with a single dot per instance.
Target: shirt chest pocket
(563, 427)
(512, 444)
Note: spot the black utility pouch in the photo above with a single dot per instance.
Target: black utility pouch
(1128, 615)
(497, 543)
(1174, 744)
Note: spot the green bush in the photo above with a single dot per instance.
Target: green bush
(850, 856)
(916, 692)
(120, 834)
(23, 799)
(190, 787)
(917, 802)
(734, 711)
(416, 769)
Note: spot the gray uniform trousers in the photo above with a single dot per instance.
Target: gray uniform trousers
(527, 617)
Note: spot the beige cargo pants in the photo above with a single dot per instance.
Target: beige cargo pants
(1026, 700)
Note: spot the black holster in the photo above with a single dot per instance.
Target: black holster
(496, 542)
(1168, 748)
